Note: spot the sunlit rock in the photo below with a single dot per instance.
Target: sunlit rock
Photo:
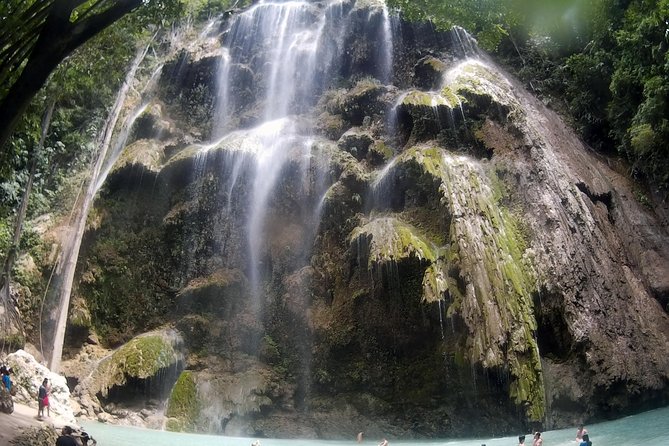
(27, 376)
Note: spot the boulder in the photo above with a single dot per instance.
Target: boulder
(151, 356)
(27, 377)
(429, 73)
(356, 142)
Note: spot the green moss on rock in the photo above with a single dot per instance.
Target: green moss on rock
(183, 406)
(490, 281)
(141, 358)
(390, 239)
(435, 282)
(79, 315)
(417, 98)
(147, 153)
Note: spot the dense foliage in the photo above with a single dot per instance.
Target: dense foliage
(605, 63)
(81, 90)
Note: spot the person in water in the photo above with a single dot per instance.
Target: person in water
(358, 438)
(521, 440)
(585, 440)
(538, 441)
(580, 432)
(384, 443)
(66, 438)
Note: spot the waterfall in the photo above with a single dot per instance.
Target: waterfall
(127, 127)
(387, 47)
(293, 48)
(290, 44)
(224, 105)
(68, 261)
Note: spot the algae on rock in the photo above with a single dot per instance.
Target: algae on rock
(497, 280)
(141, 358)
(389, 239)
(183, 406)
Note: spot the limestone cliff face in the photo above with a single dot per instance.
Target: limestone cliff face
(429, 251)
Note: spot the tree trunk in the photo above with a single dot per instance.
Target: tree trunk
(68, 262)
(11, 319)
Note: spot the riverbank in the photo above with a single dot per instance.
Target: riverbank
(24, 417)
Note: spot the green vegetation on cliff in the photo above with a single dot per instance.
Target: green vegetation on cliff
(603, 63)
(183, 407)
(141, 358)
(490, 282)
(391, 240)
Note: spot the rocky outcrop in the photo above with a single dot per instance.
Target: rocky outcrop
(141, 370)
(27, 376)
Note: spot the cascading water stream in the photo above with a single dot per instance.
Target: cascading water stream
(292, 47)
(290, 44)
(105, 158)
(122, 138)
(224, 106)
(67, 265)
(387, 47)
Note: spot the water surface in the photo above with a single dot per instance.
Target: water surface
(647, 429)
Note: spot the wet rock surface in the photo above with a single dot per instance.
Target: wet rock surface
(525, 284)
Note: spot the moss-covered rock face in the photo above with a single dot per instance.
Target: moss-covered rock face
(141, 358)
(429, 72)
(424, 115)
(485, 92)
(387, 239)
(143, 369)
(423, 245)
(480, 272)
(188, 89)
(183, 407)
(367, 98)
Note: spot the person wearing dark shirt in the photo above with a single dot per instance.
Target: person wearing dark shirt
(42, 398)
(66, 439)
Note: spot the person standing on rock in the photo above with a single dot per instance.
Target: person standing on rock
(6, 380)
(6, 401)
(42, 398)
(66, 439)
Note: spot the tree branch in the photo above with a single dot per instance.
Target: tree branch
(85, 29)
(58, 38)
(37, 10)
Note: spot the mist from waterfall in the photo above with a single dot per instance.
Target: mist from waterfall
(294, 50)
(290, 45)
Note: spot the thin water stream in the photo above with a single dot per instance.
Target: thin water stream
(647, 429)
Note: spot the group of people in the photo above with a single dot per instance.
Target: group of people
(536, 441)
(68, 438)
(582, 438)
(42, 393)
